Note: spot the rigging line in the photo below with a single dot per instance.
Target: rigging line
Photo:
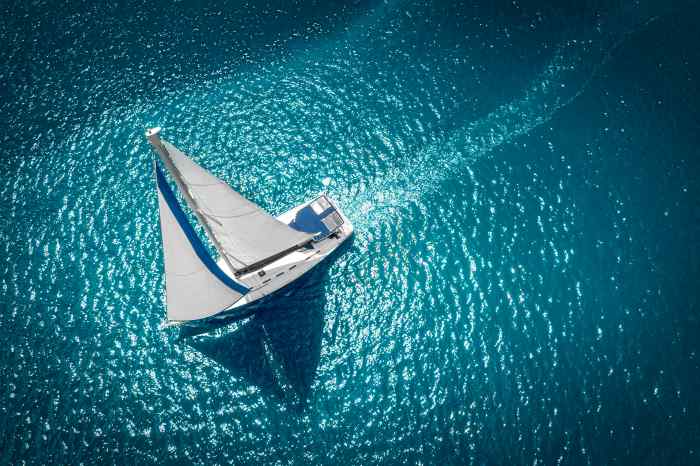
(211, 217)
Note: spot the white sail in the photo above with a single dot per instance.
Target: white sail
(195, 287)
(243, 233)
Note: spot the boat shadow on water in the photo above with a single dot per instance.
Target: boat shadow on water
(278, 347)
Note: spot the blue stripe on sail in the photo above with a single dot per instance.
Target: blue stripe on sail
(194, 240)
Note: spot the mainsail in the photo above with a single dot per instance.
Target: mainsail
(244, 234)
(195, 286)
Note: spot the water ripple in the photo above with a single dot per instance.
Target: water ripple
(480, 316)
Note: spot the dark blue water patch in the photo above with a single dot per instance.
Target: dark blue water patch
(523, 182)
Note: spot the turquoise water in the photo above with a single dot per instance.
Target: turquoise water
(523, 180)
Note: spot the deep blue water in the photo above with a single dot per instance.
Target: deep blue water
(523, 285)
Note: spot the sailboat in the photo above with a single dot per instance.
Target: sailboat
(258, 254)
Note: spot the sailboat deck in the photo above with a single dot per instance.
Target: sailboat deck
(290, 267)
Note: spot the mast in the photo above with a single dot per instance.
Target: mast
(153, 136)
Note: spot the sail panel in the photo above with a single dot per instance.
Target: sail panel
(244, 232)
(195, 286)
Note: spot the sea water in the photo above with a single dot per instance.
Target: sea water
(523, 181)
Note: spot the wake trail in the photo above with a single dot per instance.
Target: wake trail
(574, 65)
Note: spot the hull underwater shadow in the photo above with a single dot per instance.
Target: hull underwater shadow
(276, 345)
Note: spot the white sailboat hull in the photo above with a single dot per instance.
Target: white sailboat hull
(285, 270)
(258, 254)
